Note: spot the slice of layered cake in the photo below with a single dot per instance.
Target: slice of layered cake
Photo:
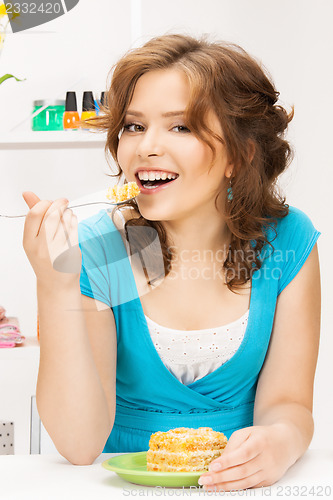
(184, 449)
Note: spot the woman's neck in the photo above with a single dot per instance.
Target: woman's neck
(198, 238)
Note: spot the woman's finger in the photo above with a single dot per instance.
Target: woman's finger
(235, 442)
(65, 218)
(237, 438)
(62, 238)
(33, 220)
(248, 451)
(233, 473)
(247, 482)
(30, 198)
(50, 220)
(67, 256)
(74, 231)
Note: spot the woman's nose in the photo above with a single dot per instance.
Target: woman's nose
(150, 144)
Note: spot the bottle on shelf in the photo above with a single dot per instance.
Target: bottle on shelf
(104, 100)
(71, 116)
(48, 115)
(88, 108)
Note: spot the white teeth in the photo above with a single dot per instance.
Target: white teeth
(145, 175)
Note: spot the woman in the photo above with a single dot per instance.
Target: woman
(226, 331)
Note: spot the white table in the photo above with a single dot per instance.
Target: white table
(50, 477)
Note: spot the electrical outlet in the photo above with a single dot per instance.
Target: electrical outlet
(6, 438)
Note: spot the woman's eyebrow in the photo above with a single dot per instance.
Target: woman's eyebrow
(165, 115)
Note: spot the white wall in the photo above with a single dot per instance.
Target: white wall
(293, 39)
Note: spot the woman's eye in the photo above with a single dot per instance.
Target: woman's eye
(133, 127)
(181, 128)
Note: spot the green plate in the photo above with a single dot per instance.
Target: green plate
(133, 468)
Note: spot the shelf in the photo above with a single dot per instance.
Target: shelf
(69, 138)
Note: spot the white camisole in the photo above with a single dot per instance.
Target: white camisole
(190, 355)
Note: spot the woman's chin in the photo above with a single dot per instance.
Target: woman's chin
(156, 212)
(152, 215)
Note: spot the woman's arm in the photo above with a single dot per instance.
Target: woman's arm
(76, 379)
(283, 424)
(285, 388)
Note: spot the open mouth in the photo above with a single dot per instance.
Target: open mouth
(147, 184)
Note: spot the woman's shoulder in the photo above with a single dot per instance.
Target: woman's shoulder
(295, 231)
(295, 216)
(294, 224)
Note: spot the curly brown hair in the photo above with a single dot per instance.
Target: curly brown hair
(223, 78)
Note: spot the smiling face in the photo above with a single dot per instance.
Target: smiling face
(155, 142)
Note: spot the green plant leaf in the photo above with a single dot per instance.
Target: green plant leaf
(5, 77)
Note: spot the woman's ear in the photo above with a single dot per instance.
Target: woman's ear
(230, 170)
(251, 149)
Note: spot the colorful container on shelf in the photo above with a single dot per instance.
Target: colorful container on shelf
(103, 101)
(51, 117)
(71, 120)
(88, 108)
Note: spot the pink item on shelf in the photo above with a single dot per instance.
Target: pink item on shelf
(10, 335)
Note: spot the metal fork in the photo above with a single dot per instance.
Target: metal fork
(81, 205)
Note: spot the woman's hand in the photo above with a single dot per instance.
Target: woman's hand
(254, 457)
(50, 241)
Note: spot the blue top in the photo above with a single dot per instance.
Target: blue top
(149, 398)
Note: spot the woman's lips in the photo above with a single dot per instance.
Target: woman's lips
(144, 190)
